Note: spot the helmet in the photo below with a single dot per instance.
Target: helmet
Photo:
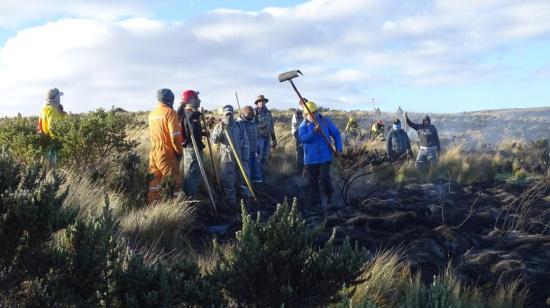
(311, 106)
(351, 120)
(397, 121)
(187, 95)
(379, 122)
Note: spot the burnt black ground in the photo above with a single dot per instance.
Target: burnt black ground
(435, 224)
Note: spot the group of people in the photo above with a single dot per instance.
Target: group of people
(247, 136)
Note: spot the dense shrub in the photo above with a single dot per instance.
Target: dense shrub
(49, 258)
(31, 212)
(90, 142)
(130, 177)
(18, 136)
(276, 263)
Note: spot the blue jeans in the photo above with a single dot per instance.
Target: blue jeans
(263, 147)
(426, 156)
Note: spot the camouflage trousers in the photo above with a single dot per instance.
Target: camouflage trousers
(232, 181)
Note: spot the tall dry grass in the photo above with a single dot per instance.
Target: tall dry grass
(388, 281)
(88, 198)
(455, 165)
(163, 226)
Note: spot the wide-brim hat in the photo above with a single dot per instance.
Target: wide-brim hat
(261, 98)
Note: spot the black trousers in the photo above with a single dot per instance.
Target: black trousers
(318, 173)
(299, 157)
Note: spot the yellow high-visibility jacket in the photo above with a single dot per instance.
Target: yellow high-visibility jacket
(48, 115)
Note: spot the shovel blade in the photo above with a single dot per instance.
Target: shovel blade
(289, 75)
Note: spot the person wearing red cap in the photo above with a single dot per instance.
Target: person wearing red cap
(189, 108)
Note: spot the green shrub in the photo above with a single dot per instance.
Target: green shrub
(90, 142)
(31, 212)
(18, 136)
(102, 271)
(130, 177)
(49, 259)
(276, 263)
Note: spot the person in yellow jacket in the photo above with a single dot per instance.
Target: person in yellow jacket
(51, 112)
(378, 130)
(166, 144)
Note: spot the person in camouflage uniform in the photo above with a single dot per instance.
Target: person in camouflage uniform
(265, 132)
(398, 145)
(229, 169)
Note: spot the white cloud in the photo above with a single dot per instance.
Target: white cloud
(14, 12)
(344, 48)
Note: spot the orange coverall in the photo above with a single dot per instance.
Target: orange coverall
(166, 143)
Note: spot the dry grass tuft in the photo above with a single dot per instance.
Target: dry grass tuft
(88, 197)
(456, 165)
(387, 281)
(163, 226)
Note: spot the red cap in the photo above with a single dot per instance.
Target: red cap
(187, 95)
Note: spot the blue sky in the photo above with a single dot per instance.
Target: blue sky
(429, 56)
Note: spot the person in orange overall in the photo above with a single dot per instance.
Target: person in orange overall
(166, 144)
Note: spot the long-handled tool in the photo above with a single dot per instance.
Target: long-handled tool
(199, 161)
(238, 104)
(239, 162)
(288, 76)
(211, 152)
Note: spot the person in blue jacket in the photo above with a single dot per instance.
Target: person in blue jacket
(317, 153)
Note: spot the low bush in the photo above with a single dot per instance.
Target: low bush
(18, 136)
(31, 212)
(276, 263)
(49, 258)
(91, 142)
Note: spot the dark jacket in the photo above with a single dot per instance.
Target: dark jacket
(195, 120)
(398, 144)
(250, 126)
(427, 134)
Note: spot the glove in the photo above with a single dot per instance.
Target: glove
(317, 128)
(179, 156)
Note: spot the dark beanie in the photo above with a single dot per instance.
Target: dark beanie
(166, 96)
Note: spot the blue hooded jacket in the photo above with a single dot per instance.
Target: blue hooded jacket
(316, 151)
